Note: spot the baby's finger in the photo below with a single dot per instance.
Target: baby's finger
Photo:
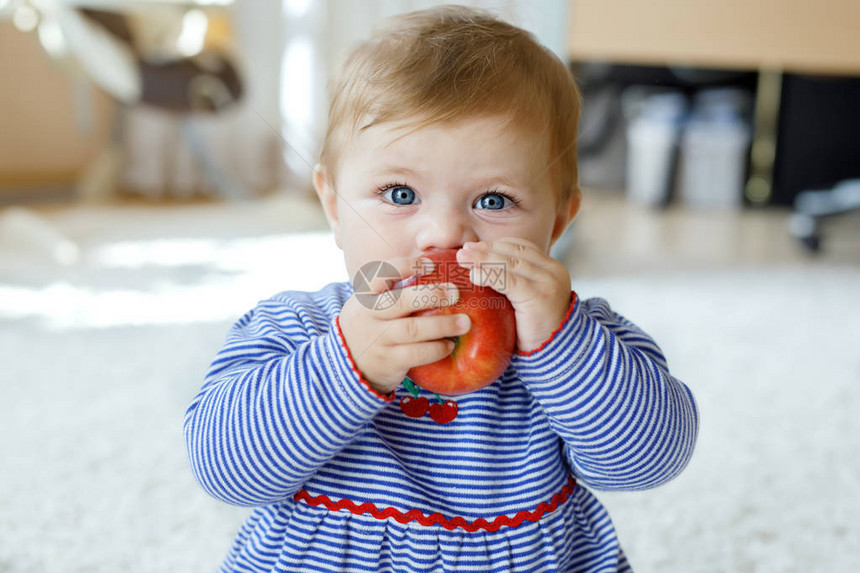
(501, 272)
(375, 277)
(419, 353)
(426, 296)
(427, 328)
(512, 247)
(401, 302)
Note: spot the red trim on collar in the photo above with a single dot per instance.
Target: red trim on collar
(387, 397)
(574, 299)
(437, 518)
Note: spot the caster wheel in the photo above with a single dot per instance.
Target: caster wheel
(811, 243)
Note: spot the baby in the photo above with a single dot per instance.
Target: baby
(449, 129)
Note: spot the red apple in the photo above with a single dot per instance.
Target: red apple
(481, 355)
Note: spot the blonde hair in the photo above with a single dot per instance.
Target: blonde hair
(451, 63)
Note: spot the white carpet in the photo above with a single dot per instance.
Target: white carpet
(99, 361)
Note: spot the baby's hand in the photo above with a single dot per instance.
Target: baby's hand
(385, 341)
(537, 285)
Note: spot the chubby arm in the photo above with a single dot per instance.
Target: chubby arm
(280, 399)
(625, 421)
(604, 385)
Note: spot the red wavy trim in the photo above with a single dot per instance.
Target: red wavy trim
(387, 397)
(438, 518)
(574, 299)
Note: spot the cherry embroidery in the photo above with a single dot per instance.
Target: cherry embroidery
(444, 412)
(415, 406)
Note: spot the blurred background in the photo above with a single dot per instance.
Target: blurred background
(155, 169)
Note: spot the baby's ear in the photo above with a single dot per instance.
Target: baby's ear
(566, 213)
(328, 199)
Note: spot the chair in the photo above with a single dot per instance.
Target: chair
(812, 208)
(131, 54)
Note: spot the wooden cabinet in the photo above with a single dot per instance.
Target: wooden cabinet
(772, 37)
(805, 36)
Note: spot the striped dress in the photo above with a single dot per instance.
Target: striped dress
(342, 479)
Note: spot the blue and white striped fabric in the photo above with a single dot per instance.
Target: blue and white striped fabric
(343, 480)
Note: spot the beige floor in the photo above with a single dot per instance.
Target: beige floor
(614, 237)
(610, 237)
(128, 334)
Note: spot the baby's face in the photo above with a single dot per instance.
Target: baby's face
(402, 193)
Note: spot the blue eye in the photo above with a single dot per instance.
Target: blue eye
(493, 202)
(400, 195)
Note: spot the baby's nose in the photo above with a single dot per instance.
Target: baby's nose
(444, 231)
